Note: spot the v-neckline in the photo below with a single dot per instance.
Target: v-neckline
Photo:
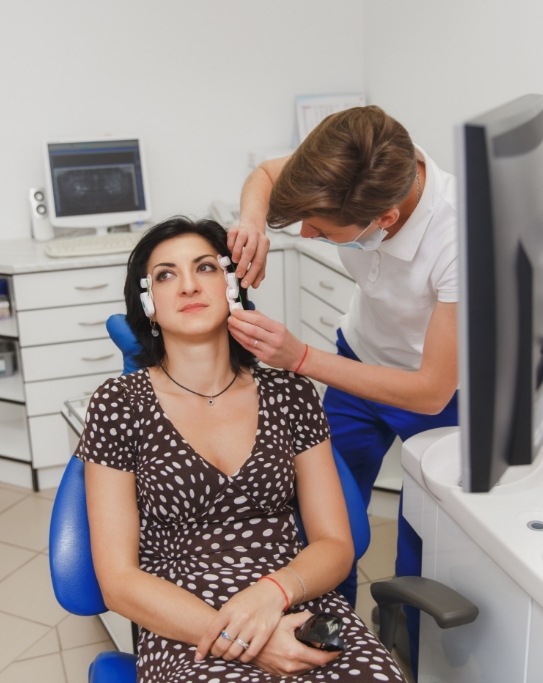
(200, 457)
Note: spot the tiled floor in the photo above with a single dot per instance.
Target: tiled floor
(42, 642)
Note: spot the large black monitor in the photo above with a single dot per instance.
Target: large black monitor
(500, 175)
(96, 183)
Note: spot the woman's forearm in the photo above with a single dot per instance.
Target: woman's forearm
(158, 605)
(319, 568)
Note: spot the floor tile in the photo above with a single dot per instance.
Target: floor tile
(76, 631)
(379, 559)
(46, 645)
(26, 524)
(28, 593)
(16, 636)
(12, 557)
(9, 496)
(77, 661)
(47, 669)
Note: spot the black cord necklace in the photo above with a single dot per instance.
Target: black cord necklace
(210, 399)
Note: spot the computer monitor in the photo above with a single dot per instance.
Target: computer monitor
(97, 183)
(500, 177)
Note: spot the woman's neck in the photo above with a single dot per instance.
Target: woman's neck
(204, 367)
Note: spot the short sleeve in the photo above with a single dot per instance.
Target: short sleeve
(308, 420)
(111, 428)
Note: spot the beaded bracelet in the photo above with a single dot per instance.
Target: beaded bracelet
(287, 601)
(302, 584)
(303, 358)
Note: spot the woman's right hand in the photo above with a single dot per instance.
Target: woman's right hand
(284, 655)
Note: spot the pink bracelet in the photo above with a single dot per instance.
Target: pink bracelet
(303, 358)
(287, 601)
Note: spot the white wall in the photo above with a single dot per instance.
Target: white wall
(433, 63)
(204, 82)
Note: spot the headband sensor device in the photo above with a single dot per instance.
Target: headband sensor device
(147, 296)
(232, 284)
(322, 631)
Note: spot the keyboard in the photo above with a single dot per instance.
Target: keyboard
(92, 245)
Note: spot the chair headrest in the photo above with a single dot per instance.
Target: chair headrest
(123, 337)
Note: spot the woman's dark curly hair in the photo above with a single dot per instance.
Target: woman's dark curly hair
(152, 348)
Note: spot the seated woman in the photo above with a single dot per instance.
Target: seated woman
(191, 465)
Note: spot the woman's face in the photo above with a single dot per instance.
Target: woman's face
(188, 285)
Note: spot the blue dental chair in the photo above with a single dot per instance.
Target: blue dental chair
(76, 586)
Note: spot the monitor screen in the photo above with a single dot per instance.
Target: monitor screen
(500, 174)
(96, 183)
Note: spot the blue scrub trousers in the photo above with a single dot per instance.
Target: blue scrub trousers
(363, 431)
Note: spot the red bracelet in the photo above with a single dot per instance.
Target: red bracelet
(303, 358)
(287, 601)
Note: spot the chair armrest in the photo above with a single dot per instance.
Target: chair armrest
(448, 607)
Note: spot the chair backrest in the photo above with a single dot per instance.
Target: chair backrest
(72, 571)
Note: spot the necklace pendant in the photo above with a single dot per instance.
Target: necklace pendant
(210, 401)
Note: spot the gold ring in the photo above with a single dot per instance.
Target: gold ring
(256, 342)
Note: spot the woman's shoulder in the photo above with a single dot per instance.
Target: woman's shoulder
(134, 384)
(275, 379)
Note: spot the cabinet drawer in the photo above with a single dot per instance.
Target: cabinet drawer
(49, 396)
(14, 441)
(50, 440)
(74, 323)
(333, 288)
(320, 316)
(68, 287)
(70, 360)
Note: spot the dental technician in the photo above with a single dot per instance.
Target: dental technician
(359, 183)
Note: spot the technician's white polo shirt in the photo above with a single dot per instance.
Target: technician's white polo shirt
(398, 286)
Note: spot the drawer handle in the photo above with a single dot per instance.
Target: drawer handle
(92, 324)
(326, 322)
(88, 288)
(96, 358)
(326, 285)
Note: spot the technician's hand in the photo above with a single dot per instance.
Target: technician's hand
(275, 345)
(249, 247)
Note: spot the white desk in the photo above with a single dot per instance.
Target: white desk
(481, 545)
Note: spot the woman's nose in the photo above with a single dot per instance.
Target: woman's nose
(188, 284)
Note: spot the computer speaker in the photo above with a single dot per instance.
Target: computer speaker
(42, 230)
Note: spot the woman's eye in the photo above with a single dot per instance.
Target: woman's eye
(207, 267)
(163, 275)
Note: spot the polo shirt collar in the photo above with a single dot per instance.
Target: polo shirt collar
(406, 241)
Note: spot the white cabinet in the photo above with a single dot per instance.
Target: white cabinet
(325, 294)
(58, 323)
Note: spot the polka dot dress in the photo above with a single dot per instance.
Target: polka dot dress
(214, 534)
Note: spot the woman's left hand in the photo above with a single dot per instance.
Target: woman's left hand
(268, 340)
(244, 624)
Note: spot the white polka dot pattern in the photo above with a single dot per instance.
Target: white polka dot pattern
(215, 534)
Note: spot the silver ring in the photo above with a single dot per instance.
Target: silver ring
(256, 342)
(243, 644)
(225, 635)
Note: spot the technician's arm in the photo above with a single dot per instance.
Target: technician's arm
(248, 241)
(426, 390)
